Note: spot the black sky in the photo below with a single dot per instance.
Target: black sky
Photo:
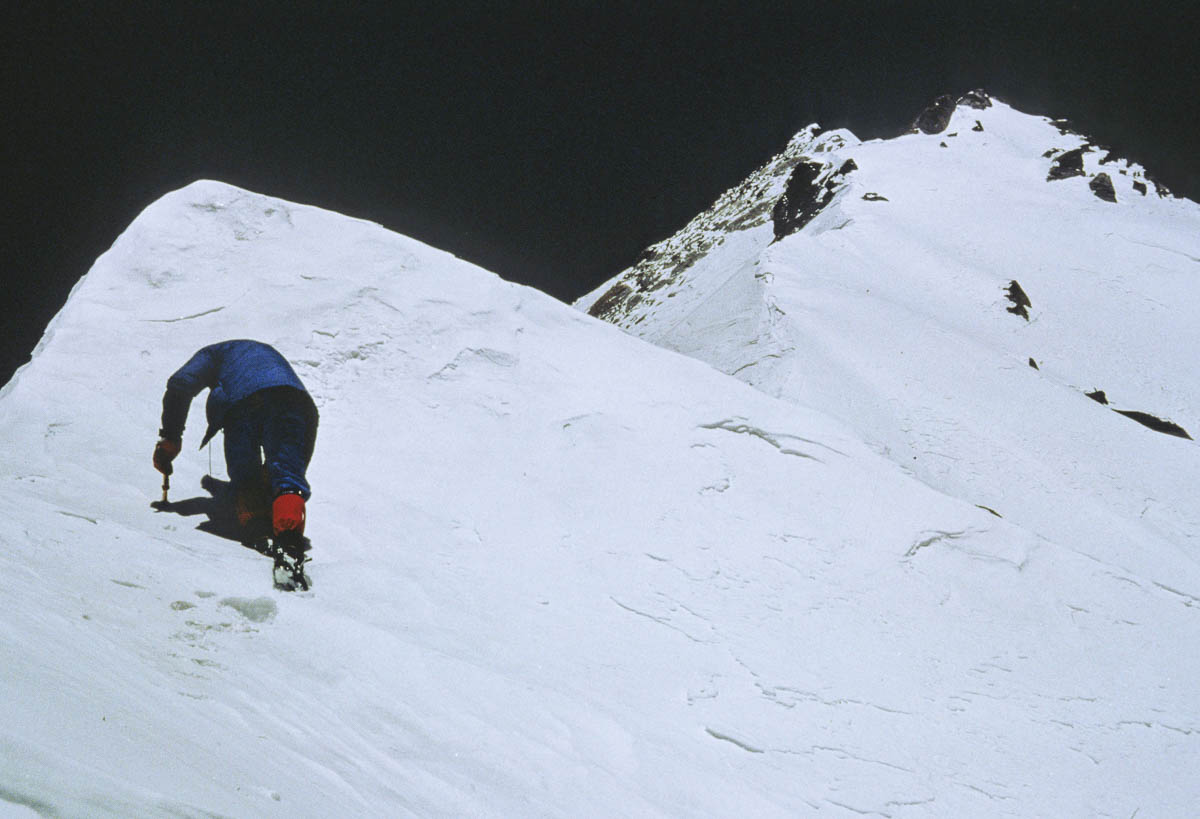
(548, 142)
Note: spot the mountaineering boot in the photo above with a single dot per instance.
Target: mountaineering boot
(291, 553)
(290, 545)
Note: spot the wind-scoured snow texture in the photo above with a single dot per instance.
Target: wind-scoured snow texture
(889, 310)
(558, 571)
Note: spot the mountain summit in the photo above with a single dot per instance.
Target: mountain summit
(559, 571)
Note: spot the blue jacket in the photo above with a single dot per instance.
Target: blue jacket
(232, 371)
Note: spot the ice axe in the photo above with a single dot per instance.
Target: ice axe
(164, 452)
(163, 505)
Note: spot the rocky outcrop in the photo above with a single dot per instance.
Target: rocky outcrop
(935, 117)
(1144, 418)
(1067, 165)
(810, 188)
(1020, 302)
(977, 99)
(1102, 186)
(654, 276)
(1071, 163)
(1155, 423)
(613, 298)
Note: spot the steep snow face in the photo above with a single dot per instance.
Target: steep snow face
(967, 297)
(558, 571)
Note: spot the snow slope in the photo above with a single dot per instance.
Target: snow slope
(557, 572)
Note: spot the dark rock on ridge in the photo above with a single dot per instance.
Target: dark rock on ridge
(977, 99)
(1102, 186)
(806, 195)
(1155, 423)
(1067, 165)
(935, 118)
(649, 282)
(610, 300)
(801, 200)
(1144, 418)
(1020, 301)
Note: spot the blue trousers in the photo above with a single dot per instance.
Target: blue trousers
(275, 427)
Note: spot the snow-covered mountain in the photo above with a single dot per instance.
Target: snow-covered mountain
(974, 298)
(559, 571)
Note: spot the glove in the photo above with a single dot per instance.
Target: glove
(165, 452)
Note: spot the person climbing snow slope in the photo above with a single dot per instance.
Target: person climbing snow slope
(270, 428)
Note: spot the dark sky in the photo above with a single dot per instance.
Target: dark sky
(548, 142)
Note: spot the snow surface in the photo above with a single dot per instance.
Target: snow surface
(559, 571)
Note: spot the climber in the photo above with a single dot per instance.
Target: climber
(264, 409)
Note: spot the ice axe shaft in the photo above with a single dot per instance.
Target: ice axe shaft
(166, 487)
